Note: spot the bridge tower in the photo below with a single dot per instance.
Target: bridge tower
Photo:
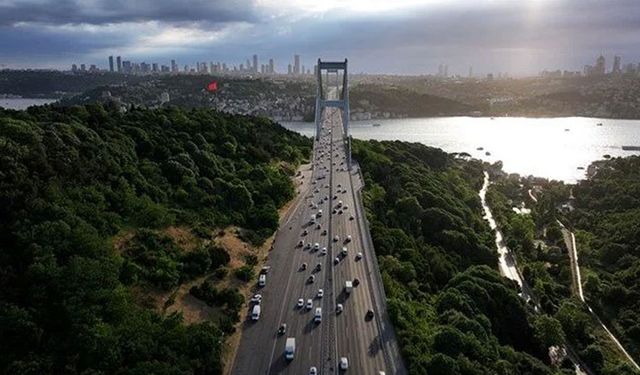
(339, 99)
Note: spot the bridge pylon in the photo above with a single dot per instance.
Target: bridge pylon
(339, 100)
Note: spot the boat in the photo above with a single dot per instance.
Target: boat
(606, 156)
(376, 124)
(480, 148)
(567, 129)
(580, 167)
(599, 124)
(492, 118)
(631, 148)
(487, 153)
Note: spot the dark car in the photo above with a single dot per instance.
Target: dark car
(369, 314)
(356, 282)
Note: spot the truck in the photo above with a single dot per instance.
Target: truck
(255, 314)
(348, 286)
(290, 348)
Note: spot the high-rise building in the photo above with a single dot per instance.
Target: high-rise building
(446, 71)
(599, 68)
(119, 64)
(83, 68)
(174, 66)
(255, 63)
(471, 72)
(616, 65)
(74, 68)
(289, 70)
(271, 67)
(296, 64)
(154, 67)
(111, 63)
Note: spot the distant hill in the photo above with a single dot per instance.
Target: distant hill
(402, 102)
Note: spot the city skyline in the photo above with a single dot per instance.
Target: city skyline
(406, 37)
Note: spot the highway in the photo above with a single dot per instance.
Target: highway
(368, 343)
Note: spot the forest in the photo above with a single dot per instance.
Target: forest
(72, 178)
(607, 223)
(541, 252)
(452, 311)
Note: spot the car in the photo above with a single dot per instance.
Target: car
(340, 212)
(305, 232)
(324, 232)
(351, 217)
(336, 238)
(345, 207)
(339, 308)
(334, 211)
(319, 226)
(356, 282)
(308, 246)
(300, 243)
(303, 266)
(323, 251)
(309, 304)
(348, 239)
(311, 279)
(318, 267)
(369, 314)
(336, 261)
(282, 329)
(359, 256)
(257, 298)
(316, 246)
(320, 293)
(344, 251)
(344, 363)
(300, 302)
(313, 371)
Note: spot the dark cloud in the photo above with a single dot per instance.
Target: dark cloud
(521, 37)
(60, 12)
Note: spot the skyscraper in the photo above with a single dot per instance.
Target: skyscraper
(174, 66)
(616, 65)
(289, 70)
(271, 67)
(119, 64)
(255, 63)
(471, 72)
(296, 64)
(111, 63)
(599, 68)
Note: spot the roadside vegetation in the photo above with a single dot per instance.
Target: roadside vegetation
(99, 209)
(542, 254)
(452, 311)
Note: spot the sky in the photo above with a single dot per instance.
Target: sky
(518, 37)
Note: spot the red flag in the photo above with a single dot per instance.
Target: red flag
(213, 86)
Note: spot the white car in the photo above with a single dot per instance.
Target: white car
(348, 239)
(358, 256)
(257, 298)
(336, 238)
(309, 304)
(300, 303)
(323, 251)
(344, 363)
(320, 293)
(339, 308)
(313, 371)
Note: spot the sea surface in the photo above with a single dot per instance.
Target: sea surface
(23, 103)
(553, 148)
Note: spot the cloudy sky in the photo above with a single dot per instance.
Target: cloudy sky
(378, 36)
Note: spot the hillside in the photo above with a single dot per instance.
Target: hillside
(102, 210)
(452, 311)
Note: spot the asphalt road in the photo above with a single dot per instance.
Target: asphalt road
(348, 334)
